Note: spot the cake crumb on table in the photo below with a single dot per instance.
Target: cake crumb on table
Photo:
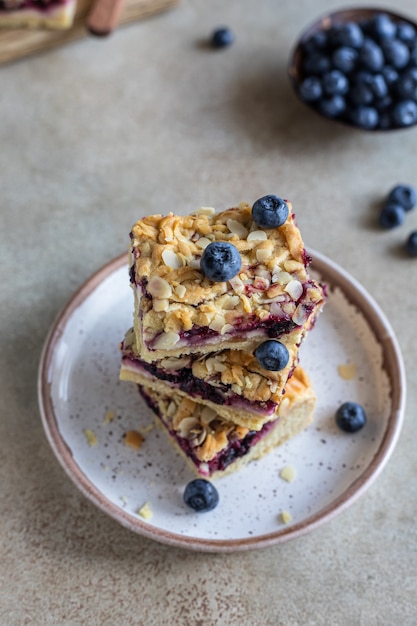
(145, 511)
(288, 473)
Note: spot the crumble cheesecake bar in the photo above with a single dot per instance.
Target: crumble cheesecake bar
(213, 446)
(231, 382)
(56, 14)
(184, 306)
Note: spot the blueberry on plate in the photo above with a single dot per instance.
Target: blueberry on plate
(270, 212)
(220, 261)
(311, 89)
(404, 195)
(272, 355)
(201, 495)
(404, 113)
(411, 244)
(391, 216)
(222, 37)
(350, 417)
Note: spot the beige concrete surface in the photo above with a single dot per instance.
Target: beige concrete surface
(99, 133)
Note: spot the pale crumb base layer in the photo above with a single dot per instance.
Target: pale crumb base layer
(298, 416)
(59, 17)
(242, 417)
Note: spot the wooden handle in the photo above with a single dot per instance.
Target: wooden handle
(104, 17)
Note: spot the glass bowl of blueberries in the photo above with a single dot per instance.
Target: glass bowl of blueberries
(358, 66)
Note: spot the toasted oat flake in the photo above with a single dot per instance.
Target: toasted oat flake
(145, 511)
(133, 439)
(347, 371)
(90, 436)
(288, 473)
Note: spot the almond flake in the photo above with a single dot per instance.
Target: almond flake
(165, 341)
(171, 259)
(202, 243)
(257, 235)
(295, 289)
(160, 304)
(180, 291)
(159, 288)
(263, 254)
(205, 210)
(237, 228)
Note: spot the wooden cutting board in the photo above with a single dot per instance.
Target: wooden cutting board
(18, 43)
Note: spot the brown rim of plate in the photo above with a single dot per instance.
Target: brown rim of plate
(324, 22)
(335, 276)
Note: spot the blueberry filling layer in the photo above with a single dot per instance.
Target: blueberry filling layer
(233, 451)
(38, 5)
(184, 380)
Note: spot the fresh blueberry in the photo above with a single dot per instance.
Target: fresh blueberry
(350, 417)
(404, 195)
(404, 113)
(316, 42)
(384, 120)
(316, 63)
(411, 244)
(390, 74)
(361, 94)
(406, 32)
(344, 59)
(413, 55)
(220, 261)
(365, 117)
(391, 215)
(270, 212)
(383, 27)
(272, 355)
(378, 86)
(396, 53)
(406, 86)
(332, 107)
(382, 105)
(371, 56)
(222, 37)
(201, 495)
(311, 89)
(335, 83)
(349, 34)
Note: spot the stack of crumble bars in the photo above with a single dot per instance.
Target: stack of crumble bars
(193, 347)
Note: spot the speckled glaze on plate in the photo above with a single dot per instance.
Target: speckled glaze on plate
(79, 390)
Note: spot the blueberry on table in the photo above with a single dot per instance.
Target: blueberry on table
(350, 417)
(404, 195)
(391, 216)
(222, 37)
(220, 261)
(270, 212)
(272, 355)
(411, 244)
(201, 495)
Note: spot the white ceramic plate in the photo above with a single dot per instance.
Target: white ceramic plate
(79, 389)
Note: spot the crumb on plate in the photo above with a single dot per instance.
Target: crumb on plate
(133, 439)
(109, 417)
(286, 517)
(90, 436)
(145, 511)
(288, 473)
(347, 371)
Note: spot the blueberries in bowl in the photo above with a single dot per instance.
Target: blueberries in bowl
(359, 67)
